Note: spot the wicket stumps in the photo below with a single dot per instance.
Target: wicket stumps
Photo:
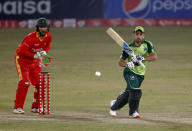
(44, 93)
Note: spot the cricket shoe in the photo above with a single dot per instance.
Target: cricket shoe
(18, 111)
(135, 115)
(111, 112)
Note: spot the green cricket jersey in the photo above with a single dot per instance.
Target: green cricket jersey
(144, 49)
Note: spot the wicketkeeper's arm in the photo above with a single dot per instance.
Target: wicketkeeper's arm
(24, 48)
(47, 48)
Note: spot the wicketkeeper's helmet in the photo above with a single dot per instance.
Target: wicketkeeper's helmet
(42, 22)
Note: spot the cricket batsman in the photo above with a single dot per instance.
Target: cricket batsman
(134, 73)
(30, 56)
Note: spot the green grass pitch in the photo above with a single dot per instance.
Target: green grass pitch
(80, 100)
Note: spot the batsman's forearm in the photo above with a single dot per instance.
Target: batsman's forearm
(122, 63)
(151, 57)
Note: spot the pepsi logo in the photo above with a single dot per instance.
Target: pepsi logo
(136, 8)
(81, 23)
(57, 23)
(22, 24)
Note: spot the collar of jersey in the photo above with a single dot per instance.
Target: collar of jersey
(37, 35)
(133, 43)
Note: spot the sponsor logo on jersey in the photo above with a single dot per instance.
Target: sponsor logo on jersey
(36, 50)
(132, 77)
(36, 44)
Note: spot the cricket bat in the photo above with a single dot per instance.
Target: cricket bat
(119, 40)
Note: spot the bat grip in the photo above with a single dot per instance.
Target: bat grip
(140, 62)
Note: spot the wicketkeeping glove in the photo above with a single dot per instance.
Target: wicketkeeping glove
(43, 58)
(43, 52)
(46, 60)
(130, 65)
(37, 56)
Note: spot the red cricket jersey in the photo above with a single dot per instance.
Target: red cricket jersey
(32, 44)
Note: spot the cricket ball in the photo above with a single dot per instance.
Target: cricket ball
(98, 73)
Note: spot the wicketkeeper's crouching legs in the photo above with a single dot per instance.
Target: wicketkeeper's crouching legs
(21, 93)
(35, 98)
(34, 78)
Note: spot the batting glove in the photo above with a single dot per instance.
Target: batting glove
(134, 58)
(140, 58)
(130, 65)
(137, 58)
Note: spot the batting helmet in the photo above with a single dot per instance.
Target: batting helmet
(42, 22)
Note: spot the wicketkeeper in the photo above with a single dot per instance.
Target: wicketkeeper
(30, 56)
(134, 73)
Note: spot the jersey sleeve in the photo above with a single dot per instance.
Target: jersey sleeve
(24, 48)
(150, 47)
(47, 47)
(124, 55)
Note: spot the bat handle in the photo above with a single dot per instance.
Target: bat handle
(140, 62)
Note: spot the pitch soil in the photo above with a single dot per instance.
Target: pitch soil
(122, 118)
